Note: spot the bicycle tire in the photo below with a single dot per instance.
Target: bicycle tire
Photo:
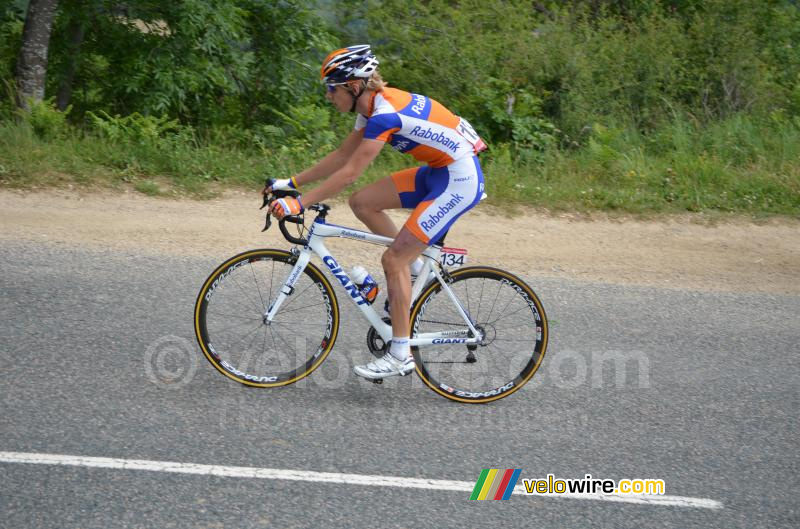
(223, 290)
(439, 366)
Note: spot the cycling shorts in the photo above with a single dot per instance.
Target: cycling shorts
(439, 195)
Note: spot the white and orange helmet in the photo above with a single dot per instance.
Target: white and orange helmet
(348, 64)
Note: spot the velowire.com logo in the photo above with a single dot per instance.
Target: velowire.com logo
(496, 484)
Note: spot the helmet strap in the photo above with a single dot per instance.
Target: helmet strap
(356, 97)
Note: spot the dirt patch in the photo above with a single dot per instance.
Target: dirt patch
(732, 255)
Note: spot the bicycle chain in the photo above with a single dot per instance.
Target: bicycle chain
(440, 322)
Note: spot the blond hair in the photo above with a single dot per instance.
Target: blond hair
(374, 83)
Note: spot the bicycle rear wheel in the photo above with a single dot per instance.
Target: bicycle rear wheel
(229, 319)
(509, 315)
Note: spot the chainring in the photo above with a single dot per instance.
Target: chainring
(375, 343)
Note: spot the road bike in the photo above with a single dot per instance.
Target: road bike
(270, 317)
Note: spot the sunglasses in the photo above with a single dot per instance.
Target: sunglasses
(332, 86)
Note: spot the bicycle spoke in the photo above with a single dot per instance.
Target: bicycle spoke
(248, 296)
(504, 316)
(469, 309)
(220, 330)
(283, 340)
(253, 271)
(282, 311)
(234, 316)
(264, 343)
(292, 298)
(228, 297)
(510, 301)
(271, 277)
(478, 314)
(235, 346)
(497, 294)
(253, 339)
(481, 372)
(272, 337)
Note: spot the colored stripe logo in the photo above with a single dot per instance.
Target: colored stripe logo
(496, 484)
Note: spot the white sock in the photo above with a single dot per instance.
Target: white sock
(400, 348)
(416, 266)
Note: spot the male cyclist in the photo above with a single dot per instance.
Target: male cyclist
(449, 185)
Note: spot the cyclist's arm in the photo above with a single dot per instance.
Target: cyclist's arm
(333, 161)
(365, 152)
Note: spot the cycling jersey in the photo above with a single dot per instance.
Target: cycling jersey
(419, 126)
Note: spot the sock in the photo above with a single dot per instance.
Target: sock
(416, 266)
(400, 348)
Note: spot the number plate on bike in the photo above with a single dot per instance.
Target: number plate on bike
(453, 257)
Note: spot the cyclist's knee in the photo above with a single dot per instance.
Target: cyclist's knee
(354, 201)
(388, 259)
(392, 260)
(402, 252)
(359, 202)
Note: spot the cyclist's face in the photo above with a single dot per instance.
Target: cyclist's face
(339, 96)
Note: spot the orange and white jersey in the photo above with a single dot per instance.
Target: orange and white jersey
(419, 126)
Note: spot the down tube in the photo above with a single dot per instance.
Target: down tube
(351, 289)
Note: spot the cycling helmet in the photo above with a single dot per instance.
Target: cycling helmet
(348, 64)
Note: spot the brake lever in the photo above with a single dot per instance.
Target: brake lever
(267, 201)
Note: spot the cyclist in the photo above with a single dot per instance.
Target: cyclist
(449, 185)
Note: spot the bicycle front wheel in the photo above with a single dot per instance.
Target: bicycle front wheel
(509, 315)
(230, 327)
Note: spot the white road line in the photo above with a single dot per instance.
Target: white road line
(324, 477)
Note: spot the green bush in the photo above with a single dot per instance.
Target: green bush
(632, 105)
(45, 119)
(151, 130)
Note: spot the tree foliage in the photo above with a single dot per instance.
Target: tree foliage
(533, 75)
(513, 67)
(206, 62)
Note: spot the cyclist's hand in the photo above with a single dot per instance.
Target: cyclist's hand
(286, 206)
(282, 185)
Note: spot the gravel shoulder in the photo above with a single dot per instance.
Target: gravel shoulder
(734, 255)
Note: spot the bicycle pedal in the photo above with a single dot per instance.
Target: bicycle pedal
(377, 381)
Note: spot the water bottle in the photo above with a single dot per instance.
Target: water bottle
(365, 283)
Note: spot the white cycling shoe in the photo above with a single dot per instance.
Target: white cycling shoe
(387, 366)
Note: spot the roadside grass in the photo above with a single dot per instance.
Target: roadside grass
(739, 165)
(733, 166)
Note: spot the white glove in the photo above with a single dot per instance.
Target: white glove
(284, 184)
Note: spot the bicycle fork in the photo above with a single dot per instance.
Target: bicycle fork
(303, 257)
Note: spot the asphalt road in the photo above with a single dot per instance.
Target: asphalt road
(708, 402)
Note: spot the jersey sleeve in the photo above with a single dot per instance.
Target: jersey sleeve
(382, 126)
(361, 122)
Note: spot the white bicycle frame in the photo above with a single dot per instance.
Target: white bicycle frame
(316, 235)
